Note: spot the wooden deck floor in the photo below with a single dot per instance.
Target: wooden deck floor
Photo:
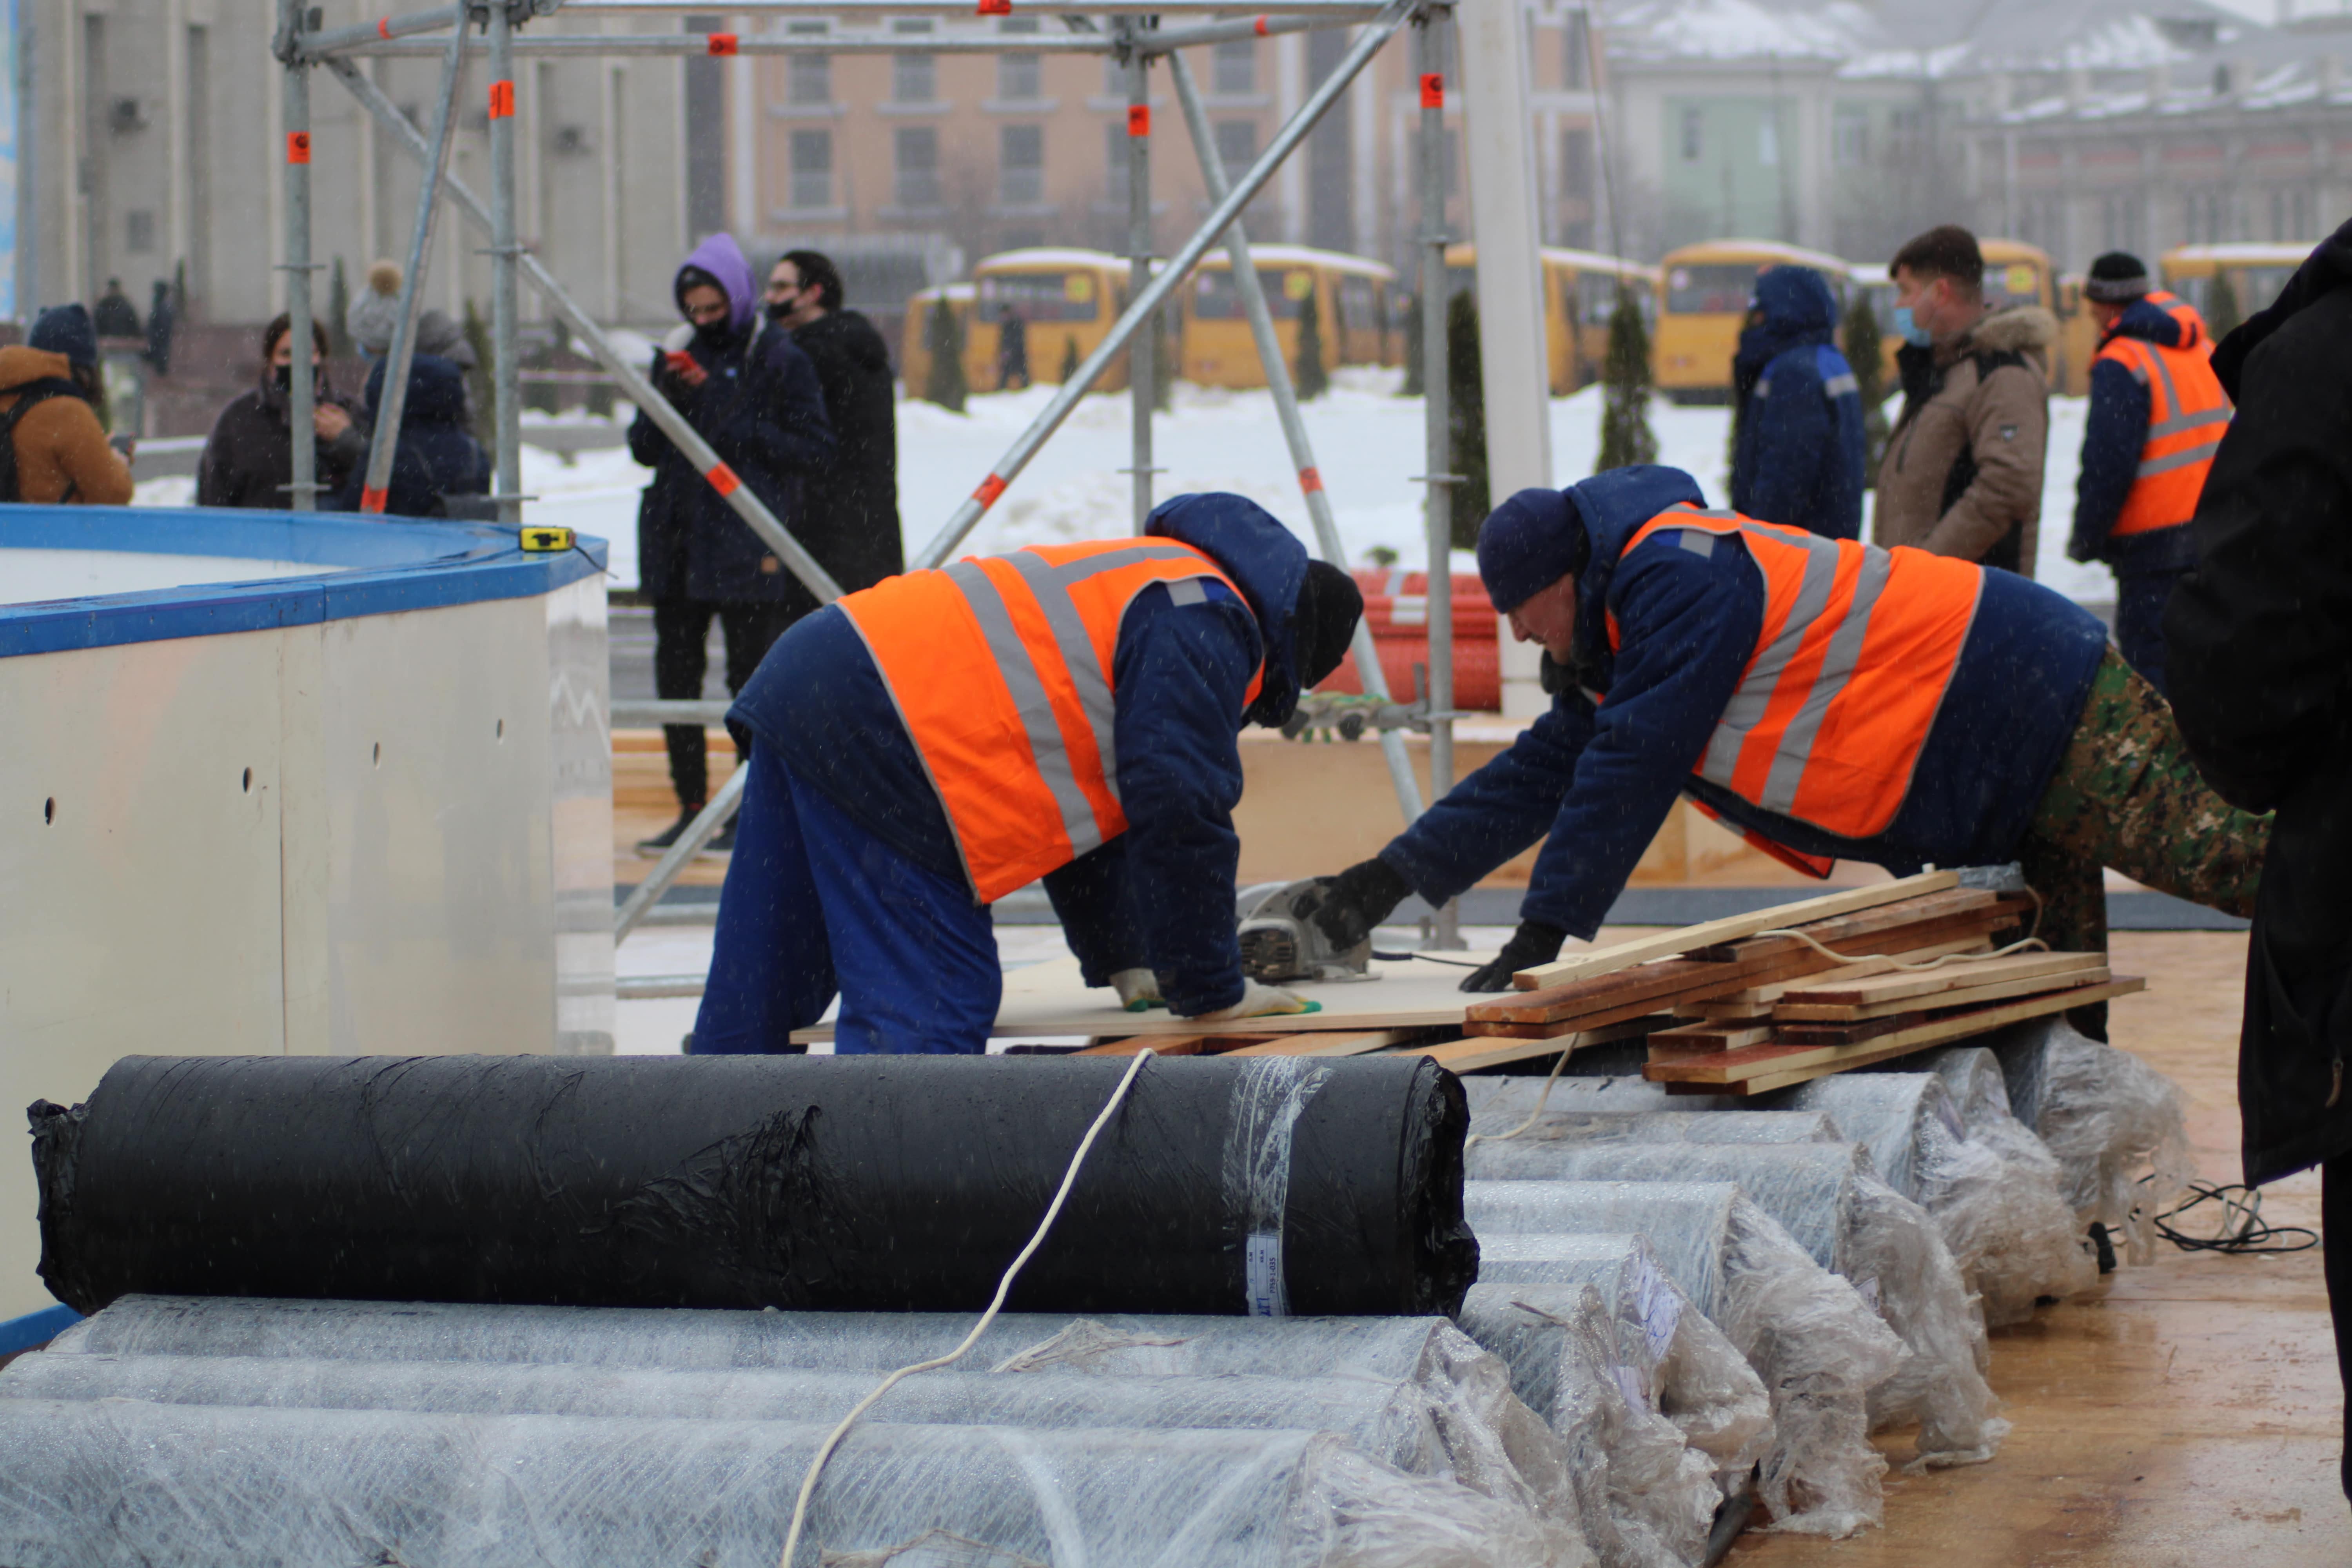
(2189, 1415)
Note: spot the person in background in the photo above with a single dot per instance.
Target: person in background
(115, 316)
(161, 320)
(1962, 474)
(248, 459)
(2157, 417)
(1798, 454)
(56, 447)
(2260, 635)
(748, 391)
(849, 514)
(1012, 350)
(374, 314)
(436, 455)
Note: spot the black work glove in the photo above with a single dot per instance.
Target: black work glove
(1347, 907)
(1534, 942)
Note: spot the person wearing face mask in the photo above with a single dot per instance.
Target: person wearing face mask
(852, 510)
(1962, 473)
(249, 459)
(747, 390)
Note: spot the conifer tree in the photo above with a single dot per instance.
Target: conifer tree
(1412, 383)
(1625, 436)
(339, 309)
(2226, 314)
(1466, 403)
(1069, 361)
(1309, 374)
(943, 336)
(1859, 341)
(479, 382)
(1164, 350)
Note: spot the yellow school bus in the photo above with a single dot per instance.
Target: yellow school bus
(1063, 298)
(2256, 273)
(915, 336)
(1580, 289)
(1703, 294)
(2078, 338)
(1351, 310)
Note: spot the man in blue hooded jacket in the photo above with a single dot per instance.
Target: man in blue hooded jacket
(1675, 640)
(893, 735)
(1798, 453)
(749, 392)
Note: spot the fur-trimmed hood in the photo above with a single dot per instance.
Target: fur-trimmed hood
(2020, 329)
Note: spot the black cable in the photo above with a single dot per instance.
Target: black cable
(1428, 958)
(2252, 1235)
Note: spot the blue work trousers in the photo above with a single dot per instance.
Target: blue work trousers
(2140, 598)
(814, 904)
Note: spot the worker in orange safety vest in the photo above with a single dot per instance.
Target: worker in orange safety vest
(1067, 714)
(1832, 698)
(2157, 414)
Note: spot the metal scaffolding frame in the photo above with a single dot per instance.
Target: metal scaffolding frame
(1134, 38)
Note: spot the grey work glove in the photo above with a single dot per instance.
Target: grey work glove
(1259, 1001)
(1347, 907)
(1534, 942)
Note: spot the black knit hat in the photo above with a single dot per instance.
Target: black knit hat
(2116, 278)
(1329, 603)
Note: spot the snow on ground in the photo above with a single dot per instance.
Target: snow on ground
(1366, 440)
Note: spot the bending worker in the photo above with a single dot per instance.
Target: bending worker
(923, 747)
(2157, 416)
(1829, 698)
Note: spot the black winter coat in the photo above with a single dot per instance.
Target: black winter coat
(436, 454)
(2260, 639)
(764, 415)
(849, 518)
(248, 459)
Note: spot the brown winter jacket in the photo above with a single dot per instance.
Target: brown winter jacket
(1962, 474)
(61, 451)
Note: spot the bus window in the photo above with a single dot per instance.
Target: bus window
(2015, 283)
(1596, 297)
(1214, 298)
(1042, 295)
(1359, 300)
(1712, 289)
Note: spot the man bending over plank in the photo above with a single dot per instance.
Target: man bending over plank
(923, 747)
(1827, 698)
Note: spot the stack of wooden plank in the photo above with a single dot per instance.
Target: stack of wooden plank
(1764, 1000)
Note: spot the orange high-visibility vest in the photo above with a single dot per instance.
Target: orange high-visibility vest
(2193, 332)
(1857, 648)
(1001, 669)
(2187, 413)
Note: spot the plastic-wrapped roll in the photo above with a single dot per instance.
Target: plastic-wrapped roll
(1491, 1094)
(266, 1487)
(2115, 1123)
(1646, 1497)
(1994, 1197)
(1818, 1348)
(1573, 1123)
(1854, 1225)
(1266, 1183)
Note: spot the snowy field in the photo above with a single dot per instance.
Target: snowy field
(1368, 444)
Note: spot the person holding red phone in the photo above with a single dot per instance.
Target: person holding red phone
(753, 396)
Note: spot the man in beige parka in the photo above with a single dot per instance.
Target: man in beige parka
(1962, 474)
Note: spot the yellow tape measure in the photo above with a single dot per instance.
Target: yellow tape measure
(547, 541)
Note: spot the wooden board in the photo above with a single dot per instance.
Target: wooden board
(1338, 1043)
(1558, 1004)
(1683, 1041)
(1174, 1044)
(1747, 1071)
(1863, 991)
(1959, 996)
(1731, 928)
(1845, 1034)
(1757, 1000)
(1482, 1051)
(1049, 999)
(1972, 904)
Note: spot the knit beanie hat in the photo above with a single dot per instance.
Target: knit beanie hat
(66, 330)
(2116, 278)
(1330, 605)
(1528, 543)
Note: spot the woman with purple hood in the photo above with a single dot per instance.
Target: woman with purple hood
(749, 392)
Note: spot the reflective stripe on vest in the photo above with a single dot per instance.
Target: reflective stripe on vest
(2188, 414)
(1857, 648)
(1000, 668)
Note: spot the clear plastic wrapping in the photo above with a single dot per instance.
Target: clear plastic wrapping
(1574, 1122)
(1818, 1348)
(2115, 1123)
(258, 1488)
(1646, 1498)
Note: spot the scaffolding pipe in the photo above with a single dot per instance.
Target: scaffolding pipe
(1437, 411)
(505, 328)
(1156, 43)
(699, 831)
(1179, 267)
(384, 440)
(302, 389)
(310, 46)
(953, 8)
(632, 382)
(1252, 294)
(1142, 371)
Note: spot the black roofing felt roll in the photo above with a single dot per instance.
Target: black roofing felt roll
(1264, 1184)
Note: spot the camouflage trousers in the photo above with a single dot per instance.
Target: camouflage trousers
(2126, 795)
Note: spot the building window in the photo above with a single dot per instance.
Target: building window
(1767, 141)
(2290, 214)
(1237, 146)
(138, 231)
(1114, 163)
(811, 169)
(2120, 225)
(1694, 134)
(1020, 78)
(1904, 131)
(914, 79)
(808, 79)
(1020, 165)
(1849, 136)
(1576, 166)
(1576, 60)
(1235, 66)
(918, 150)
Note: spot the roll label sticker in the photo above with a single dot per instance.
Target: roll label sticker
(1632, 1384)
(1268, 1096)
(1263, 1254)
(1661, 1309)
(1868, 1288)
